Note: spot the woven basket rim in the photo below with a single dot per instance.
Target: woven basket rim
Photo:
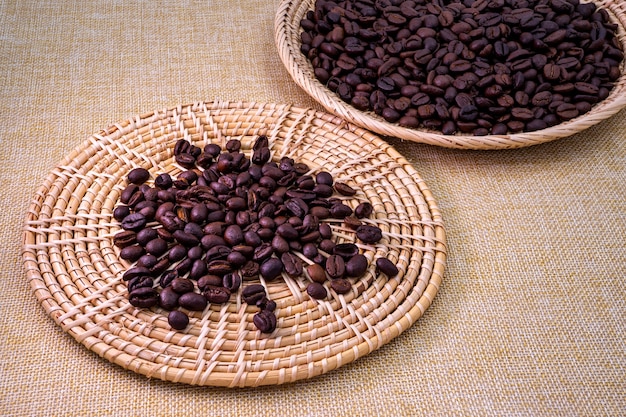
(287, 39)
(75, 273)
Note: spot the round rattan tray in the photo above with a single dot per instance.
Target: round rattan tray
(287, 37)
(75, 271)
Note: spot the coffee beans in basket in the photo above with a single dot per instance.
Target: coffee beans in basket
(465, 66)
(199, 237)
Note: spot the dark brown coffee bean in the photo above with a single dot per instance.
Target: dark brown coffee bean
(134, 222)
(292, 264)
(356, 265)
(193, 301)
(232, 281)
(271, 268)
(216, 294)
(177, 320)
(207, 280)
(369, 234)
(265, 321)
(387, 267)
(132, 253)
(345, 250)
(335, 266)
(140, 282)
(168, 298)
(182, 285)
(316, 290)
(144, 297)
(341, 285)
(253, 293)
(125, 238)
(156, 247)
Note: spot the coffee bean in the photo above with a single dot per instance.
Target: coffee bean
(316, 273)
(335, 266)
(369, 234)
(168, 298)
(125, 238)
(134, 222)
(271, 268)
(387, 267)
(132, 253)
(341, 285)
(265, 321)
(356, 265)
(144, 297)
(316, 290)
(216, 294)
(253, 293)
(177, 319)
(193, 301)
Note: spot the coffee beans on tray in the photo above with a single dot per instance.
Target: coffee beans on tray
(465, 66)
(198, 238)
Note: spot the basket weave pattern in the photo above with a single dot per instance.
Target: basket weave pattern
(287, 37)
(76, 274)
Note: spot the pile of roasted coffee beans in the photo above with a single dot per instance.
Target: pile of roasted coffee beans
(465, 66)
(196, 238)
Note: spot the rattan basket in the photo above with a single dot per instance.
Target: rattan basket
(287, 37)
(75, 271)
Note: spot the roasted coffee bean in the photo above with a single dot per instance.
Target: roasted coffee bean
(210, 280)
(335, 266)
(363, 210)
(144, 297)
(253, 293)
(132, 253)
(139, 282)
(168, 298)
(316, 273)
(219, 267)
(156, 247)
(166, 278)
(125, 238)
(341, 285)
(387, 267)
(271, 268)
(344, 189)
(193, 301)
(120, 212)
(369, 234)
(292, 264)
(134, 222)
(356, 265)
(345, 250)
(138, 175)
(265, 321)
(177, 319)
(340, 211)
(316, 290)
(182, 285)
(216, 294)
(231, 281)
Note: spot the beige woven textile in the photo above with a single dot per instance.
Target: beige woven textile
(530, 318)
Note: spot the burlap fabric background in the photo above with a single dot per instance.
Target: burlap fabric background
(530, 319)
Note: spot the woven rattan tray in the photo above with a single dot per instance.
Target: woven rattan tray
(287, 37)
(76, 274)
